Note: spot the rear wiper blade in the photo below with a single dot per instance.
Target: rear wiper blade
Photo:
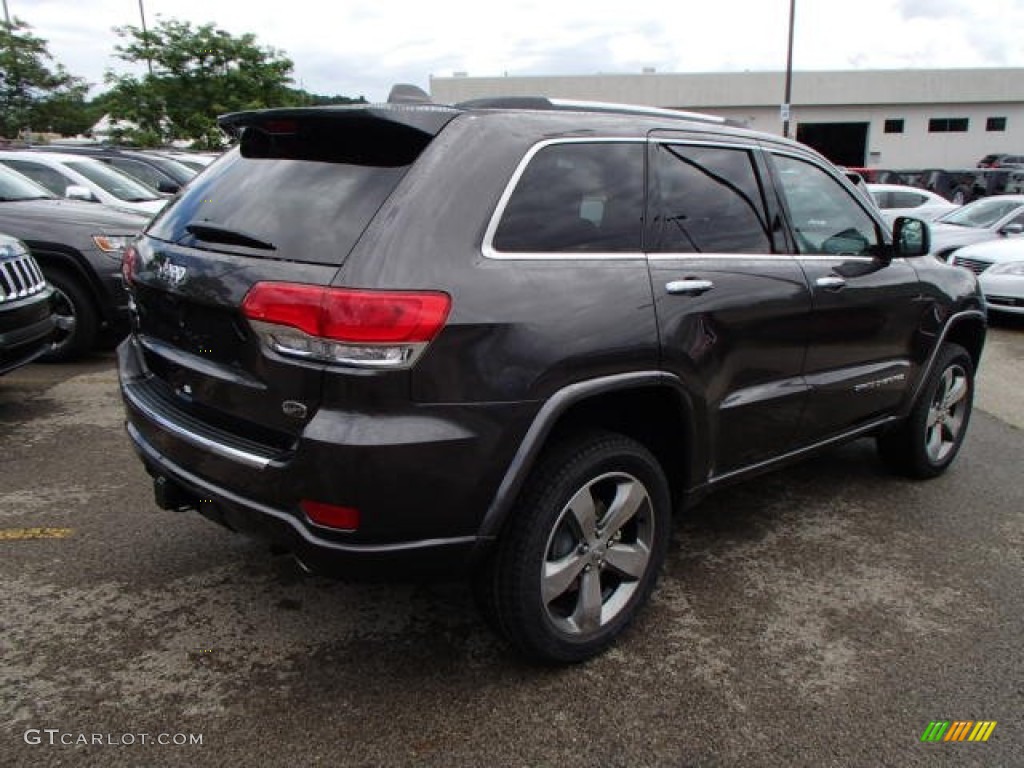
(211, 233)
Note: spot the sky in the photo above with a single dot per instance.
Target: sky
(362, 47)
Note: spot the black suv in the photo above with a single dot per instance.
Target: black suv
(507, 341)
(26, 314)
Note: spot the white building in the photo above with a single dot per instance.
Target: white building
(887, 118)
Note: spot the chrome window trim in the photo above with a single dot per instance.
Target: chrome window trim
(692, 255)
(490, 252)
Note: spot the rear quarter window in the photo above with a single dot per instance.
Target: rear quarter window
(576, 198)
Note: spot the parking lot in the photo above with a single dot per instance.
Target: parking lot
(822, 615)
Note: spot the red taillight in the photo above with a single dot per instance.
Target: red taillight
(129, 264)
(331, 515)
(360, 327)
(343, 314)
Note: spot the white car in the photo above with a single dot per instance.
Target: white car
(991, 218)
(84, 178)
(896, 200)
(999, 265)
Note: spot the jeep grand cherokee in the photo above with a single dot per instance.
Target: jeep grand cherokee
(506, 340)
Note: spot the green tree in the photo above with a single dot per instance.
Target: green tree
(36, 92)
(198, 73)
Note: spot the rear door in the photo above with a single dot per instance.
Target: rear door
(731, 304)
(287, 206)
(866, 305)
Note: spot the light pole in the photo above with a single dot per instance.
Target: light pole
(789, 71)
(145, 36)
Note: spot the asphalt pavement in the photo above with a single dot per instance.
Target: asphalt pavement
(819, 616)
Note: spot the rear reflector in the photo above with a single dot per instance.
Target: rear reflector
(342, 325)
(331, 515)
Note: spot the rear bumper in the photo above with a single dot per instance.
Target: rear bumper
(437, 558)
(422, 479)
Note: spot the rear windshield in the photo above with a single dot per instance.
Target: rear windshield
(304, 194)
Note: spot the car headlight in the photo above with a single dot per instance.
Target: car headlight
(1007, 268)
(112, 245)
(9, 250)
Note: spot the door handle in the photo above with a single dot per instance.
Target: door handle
(689, 287)
(830, 283)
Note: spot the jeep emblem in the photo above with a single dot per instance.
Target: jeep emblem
(172, 273)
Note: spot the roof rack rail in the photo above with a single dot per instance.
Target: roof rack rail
(569, 105)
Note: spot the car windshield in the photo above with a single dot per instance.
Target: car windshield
(120, 185)
(14, 186)
(982, 213)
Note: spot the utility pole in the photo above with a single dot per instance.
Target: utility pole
(789, 72)
(145, 36)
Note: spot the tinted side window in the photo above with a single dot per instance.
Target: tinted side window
(585, 198)
(825, 217)
(40, 174)
(710, 201)
(137, 170)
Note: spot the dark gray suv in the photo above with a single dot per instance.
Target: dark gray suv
(507, 340)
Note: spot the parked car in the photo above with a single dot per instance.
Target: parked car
(163, 174)
(504, 342)
(27, 321)
(986, 219)
(78, 246)
(1001, 161)
(197, 161)
(895, 200)
(999, 265)
(84, 178)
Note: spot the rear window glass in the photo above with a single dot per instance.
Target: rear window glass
(903, 199)
(307, 192)
(577, 197)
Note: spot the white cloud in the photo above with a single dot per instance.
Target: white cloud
(361, 47)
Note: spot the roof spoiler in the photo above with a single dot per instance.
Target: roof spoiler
(425, 118)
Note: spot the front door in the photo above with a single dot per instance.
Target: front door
(866, 304)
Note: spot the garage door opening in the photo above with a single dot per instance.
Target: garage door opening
(842, 143)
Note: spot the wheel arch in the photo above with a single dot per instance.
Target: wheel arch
(60, 257)
(653, 408)
(966, 328)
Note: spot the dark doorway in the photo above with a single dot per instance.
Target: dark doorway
(842, 143)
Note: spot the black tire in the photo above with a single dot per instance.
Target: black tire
(928, 441)
(77, 320)
(597, 578)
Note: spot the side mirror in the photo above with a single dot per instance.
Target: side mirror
(167, 187)
(77, 192)
(910, 237)
(1012, 229)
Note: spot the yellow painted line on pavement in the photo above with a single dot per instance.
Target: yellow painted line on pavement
(23, 534)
